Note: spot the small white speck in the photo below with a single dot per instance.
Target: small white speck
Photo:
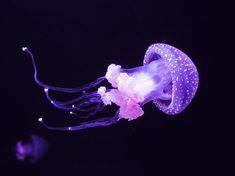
(71, 112)
(69, 128)
(24, 48)
(191, 72)
(40, 119)
(46, 90)
(73, 106)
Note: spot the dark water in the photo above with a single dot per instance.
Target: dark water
(74, 42)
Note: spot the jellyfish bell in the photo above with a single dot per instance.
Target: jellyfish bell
(168, 78)
(184, 75)
(32, 149)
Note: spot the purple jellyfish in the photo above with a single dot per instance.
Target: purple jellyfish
(32, 150)
(168, 78)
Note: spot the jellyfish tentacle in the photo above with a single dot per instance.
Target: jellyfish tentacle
(92, 112)
(60, 89)
(104, 121)
(77, 103)
(89, 102)
(93, 108)
(97, 105)
(81, 105)
(72, 101)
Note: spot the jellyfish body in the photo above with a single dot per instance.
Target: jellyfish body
(184, 77)
(168, 78)
(33, 150)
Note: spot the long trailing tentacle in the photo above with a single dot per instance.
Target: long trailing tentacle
(105, 121)
(60, 89)
(90, 103)
(87, 102)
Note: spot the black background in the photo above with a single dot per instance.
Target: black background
(74, 42)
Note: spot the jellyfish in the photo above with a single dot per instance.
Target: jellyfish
(32, 150)
(168, 78)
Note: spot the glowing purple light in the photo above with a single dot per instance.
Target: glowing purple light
(168, 78)
(184, 77)
(32, 150)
